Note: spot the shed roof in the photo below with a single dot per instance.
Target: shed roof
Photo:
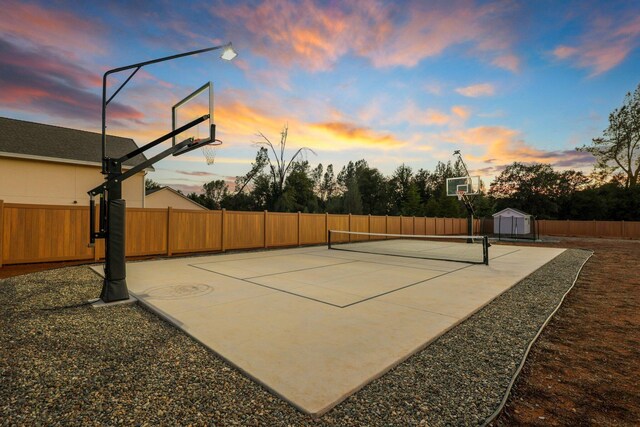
(23, 138)
(514, 210)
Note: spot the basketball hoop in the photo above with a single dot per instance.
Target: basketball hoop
(210, 151)
(462, 195)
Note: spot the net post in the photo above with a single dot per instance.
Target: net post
(485, 250)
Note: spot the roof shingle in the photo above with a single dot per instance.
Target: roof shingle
(38, 139)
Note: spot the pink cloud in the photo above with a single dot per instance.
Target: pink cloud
(51, 27)
(474, 91)
(41, 81)
(413, 115)
(607, 44)
(315, 36)
(195, 173)
(508, 62)
(431, 29)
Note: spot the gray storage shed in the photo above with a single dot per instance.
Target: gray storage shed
(511, 221)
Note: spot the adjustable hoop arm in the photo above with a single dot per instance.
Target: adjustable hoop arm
(176, 150)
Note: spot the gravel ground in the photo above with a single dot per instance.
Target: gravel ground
(65, 363)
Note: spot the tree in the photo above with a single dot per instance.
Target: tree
(570, 184)
(262, 158)
(531, 188)
(299, 190)
(399, 185)
(352, 199)
(619, 147)
(215, 191)
(411, 204)
(150, 184)
(279, 167)
(327, 188)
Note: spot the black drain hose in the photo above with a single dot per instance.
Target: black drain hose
(526, 353)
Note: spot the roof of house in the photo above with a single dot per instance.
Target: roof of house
(29, 139)
(512, 210)
(155, 190)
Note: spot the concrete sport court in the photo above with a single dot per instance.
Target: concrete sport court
(314, 325)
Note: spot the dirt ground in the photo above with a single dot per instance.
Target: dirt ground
(583, 370)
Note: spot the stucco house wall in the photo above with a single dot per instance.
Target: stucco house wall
(49, 183)
(52, 165)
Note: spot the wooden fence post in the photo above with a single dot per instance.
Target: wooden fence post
(401, 221)
(224, 212)
(1, 229)
(299, 226)
(622, 229)
(349, 227)
(386, 224)
(369, 227)
(326, 227)
(169, 217)
(265, 228)
(414, 226)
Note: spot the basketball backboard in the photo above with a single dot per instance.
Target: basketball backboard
(469, 184)
(197, 104)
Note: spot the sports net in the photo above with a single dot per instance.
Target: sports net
(469, 249)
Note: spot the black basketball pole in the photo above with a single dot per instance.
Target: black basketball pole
(112, 205)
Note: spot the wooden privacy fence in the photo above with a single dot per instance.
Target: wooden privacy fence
(608, 229)
(44, 233)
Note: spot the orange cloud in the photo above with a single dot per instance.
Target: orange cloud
(460, 111)
(505, 146)
(607, 44)
(352, 134)
(474, 91)
(239, 123)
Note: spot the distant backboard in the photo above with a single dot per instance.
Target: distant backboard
(469, 184)
(196, 104)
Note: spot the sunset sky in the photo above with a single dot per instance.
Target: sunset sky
(391, 82)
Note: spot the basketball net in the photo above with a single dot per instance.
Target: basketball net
(462, 195)
(210, 151)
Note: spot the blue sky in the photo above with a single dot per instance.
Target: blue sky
(390, 82)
